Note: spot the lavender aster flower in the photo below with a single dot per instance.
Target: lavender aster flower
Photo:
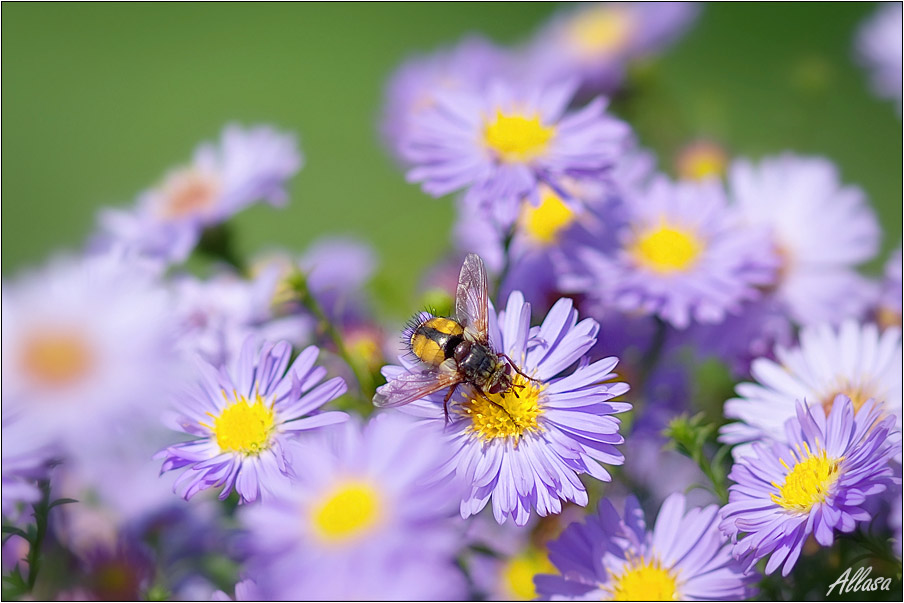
(560, 425)
(684, 557)
(361, 521)
(880, 49)
(816, 483)
(241, 420)
(499, 144)
(595, 41)
(247, 165)
(855, 360)
(803, 204)
(682, 256)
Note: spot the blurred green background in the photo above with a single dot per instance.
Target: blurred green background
(99, 100)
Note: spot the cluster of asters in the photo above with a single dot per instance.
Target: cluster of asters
(213, 437)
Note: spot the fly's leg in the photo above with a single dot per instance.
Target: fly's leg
(517, 370)
(497, 404)
(446, 402)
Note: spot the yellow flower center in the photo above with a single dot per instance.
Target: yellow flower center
(347, 512)
(56, 358)
(702, 160)
(808, 482)
(666, 250)
(601, 30)
(188, 193)
(544, 222)
(519, 571)
(643, 580)
(517, 138)
(506, 415)
(242, 426)
(857, 393)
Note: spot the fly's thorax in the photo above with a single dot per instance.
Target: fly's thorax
(435, 340)
(478, 363)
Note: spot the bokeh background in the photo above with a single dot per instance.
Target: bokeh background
(99, 100)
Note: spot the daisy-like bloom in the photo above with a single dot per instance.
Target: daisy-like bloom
(854, 360)
(241, 420)
(613, 558)
(88, 350)
(815, 483)
(469, 65)
(702, 159)
(803, 204)
(500, 143)
(879, 48)
(365, 518)
(527, 451)
(595, 42)
(246, 165)
(682, 256)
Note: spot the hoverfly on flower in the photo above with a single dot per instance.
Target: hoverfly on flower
(455, 350)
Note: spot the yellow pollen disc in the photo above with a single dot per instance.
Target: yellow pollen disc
(365, 348)
(520, 416)
(56, 358)
(519, 571)
(702, 160)
(545, 222)
(601, 30)
(347, 512)
(517, 138)
(666, 250)
(857, 393)
(243, 427)
(808, 482)
(188, 193)
(643, 580)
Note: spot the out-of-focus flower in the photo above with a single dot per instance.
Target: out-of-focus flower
(245, 590)
(854, 360)
(366, 518)
(803, 203)
(242, 419)
(815, 483)
(499, 144)
(702, 159)
(595, 42)
(879, 48)
(888, 308)
(413, 88)
(25, 461)
(88, 351)
(682, 256)
(121, 572)
(527, 451)
(684, 557)
(246, 166)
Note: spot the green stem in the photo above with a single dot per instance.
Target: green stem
(506, 261)
(299, 283)
(41, 512)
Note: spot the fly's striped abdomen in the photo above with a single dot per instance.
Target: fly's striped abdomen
(434, 340)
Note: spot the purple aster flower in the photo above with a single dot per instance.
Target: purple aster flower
(803, 204)
(469, 65)
(682, 256)
(25, 460)
(816, 483)
(364, 519)
(595, 41)
(854, 360)
(879, 48)
(530, 454)
(499, 144)
(610, 557)
(88, 350)
(241, 420)
(247, 165)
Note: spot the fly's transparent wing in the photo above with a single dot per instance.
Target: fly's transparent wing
(413, 386)
(471, 296)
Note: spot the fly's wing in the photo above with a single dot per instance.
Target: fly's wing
(413, 386)
(471, 297)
